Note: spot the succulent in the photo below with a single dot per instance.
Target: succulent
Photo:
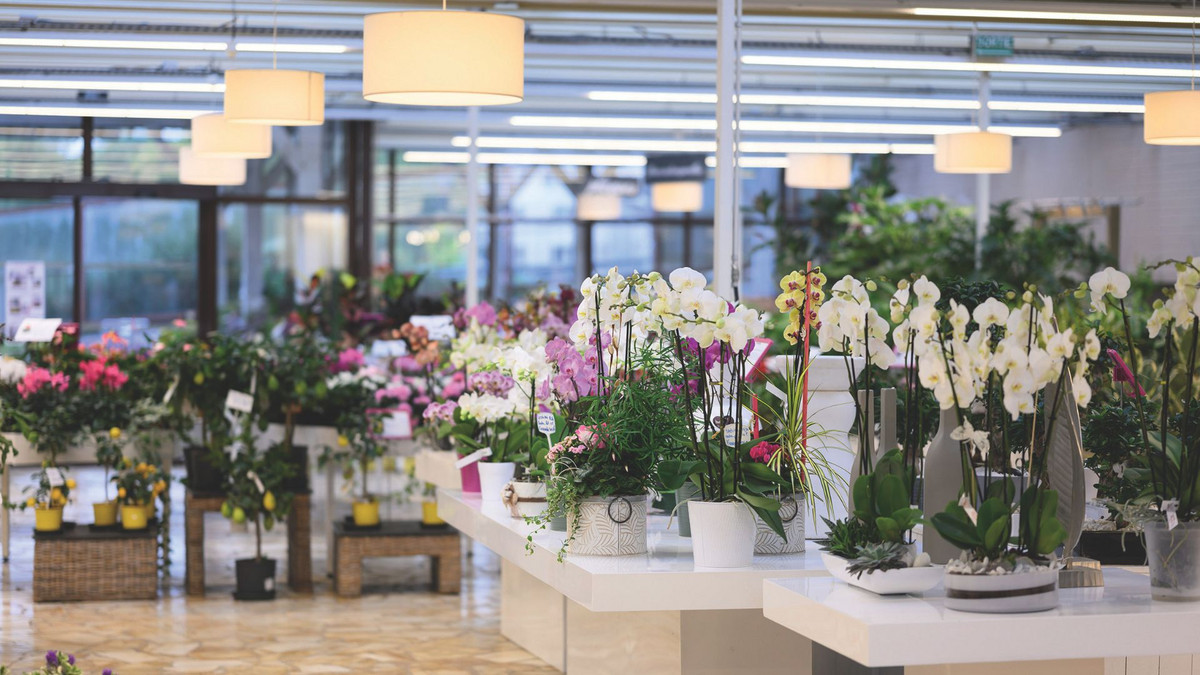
(888, 555)
(845, 537)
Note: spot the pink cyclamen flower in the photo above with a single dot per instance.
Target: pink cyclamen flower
(349, 360)
(1123, 375)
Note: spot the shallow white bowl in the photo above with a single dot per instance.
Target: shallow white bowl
(890, 582)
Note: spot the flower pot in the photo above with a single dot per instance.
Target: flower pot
(255, 579)
(366, 514)
(683, 495)
(1174, 557)
(429, 514)
(722, 534)
(558, 524)
(791, 512)
(470, 478)
(493, 476)
(528, 498)
(133, 517)
(1112, 547)
(885, 582)
(104, 514)
(942, 472)
(203, 477)
(609, 526)
(1030, 591)
(48, 519)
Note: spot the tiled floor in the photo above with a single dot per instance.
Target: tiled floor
(398, 626)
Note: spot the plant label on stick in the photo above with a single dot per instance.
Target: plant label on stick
(545, 423)
(171, 390)
(257, 482)
(55, 477)
(473, 457)
(1171, 508)
(239, 401)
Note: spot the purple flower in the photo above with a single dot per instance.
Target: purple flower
(556, 348)
(107, 671)
(483, 313)
(52, 658)
(71, 659)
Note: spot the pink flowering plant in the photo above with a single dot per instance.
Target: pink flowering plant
(47, 401)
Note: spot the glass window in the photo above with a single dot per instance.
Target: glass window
(52, 153)
(628, 246)
(39, 231)
(138, 154)
(266, 250)
(140, 264)
(439, 250)
(305, 162)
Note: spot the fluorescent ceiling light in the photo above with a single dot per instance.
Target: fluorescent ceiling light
(116, 85)
(963, 66)
(1066, 106)
(417, 156)
(797, 126)
(951, 12)
(292, 48)
(174, 45)
(654, 145)
(102, 111)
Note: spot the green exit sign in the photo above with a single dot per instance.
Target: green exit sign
(993, 45)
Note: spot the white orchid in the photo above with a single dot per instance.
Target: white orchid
(978, 439)
(990, 312)
(926, 291)
(1106, 282)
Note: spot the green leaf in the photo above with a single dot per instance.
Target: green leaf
(956, 527)
(759, 501)
(891, 496)
(673, 473)
(889, 529)
(862, 498)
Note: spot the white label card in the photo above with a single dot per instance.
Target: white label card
(473, 457)
(55, 477)
(239, 401)
(546, 423)
(257, 482)
(440, 327)
(37, 330)
(397, 425)
(1170, 507)
(171, 391)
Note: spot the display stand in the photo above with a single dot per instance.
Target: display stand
(1114, 630)
(395, 539)
(83, 563)
(656, 612)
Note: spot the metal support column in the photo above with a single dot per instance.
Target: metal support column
(725, 203)
(473, 206)
(360, 184)
(206, 312)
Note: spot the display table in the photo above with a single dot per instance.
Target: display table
(85, 563)
(1093, 631)
(299, 537)
(655, 612)
(394, 539)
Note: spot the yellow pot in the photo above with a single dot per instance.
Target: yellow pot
(133, 517)
(151, 509)
(366, 513)
(47, 520)
(105, 513)
(429, 514)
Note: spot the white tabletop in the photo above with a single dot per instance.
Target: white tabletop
(877, 631)
(665, 578)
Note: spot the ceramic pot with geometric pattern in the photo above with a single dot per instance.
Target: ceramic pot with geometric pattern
(791, 512)
(608, 526)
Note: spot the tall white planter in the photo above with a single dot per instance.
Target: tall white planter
(940, 483)
(791, 512)
(493, 476)
(608, 526)
(830, 414)
(722, 534)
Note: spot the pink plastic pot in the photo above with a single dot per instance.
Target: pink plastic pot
(470, 477)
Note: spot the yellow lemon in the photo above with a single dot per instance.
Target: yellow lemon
(30, 502)
(114, 433)
(269, 501)
(343, 441)
(226, 509)
(127, 462)
(198, 379)
(121, 493)
(56, 494)
(239, 515)
(160, 486)
(70, 483)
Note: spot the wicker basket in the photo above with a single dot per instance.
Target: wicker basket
(81, 567)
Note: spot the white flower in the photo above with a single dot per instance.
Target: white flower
(485, 408)
(967, 506)
(1082, 390)
(926, 291)
(12, 370)
(990, 312)
(1018, 404)
(959, 318)
(1158, 318)
(686, 280)
(1091, 345)
(1107, 281)
(924, 320)
(1061, 345)
(978, 439)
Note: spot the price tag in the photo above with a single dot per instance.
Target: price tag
(36, 330)
(473, 457)
(731, 435)
(239, 401)
(397, 425)
(55, 477)
(440, 327)
(546, 423)
(1170, 507)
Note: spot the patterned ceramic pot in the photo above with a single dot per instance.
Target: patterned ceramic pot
(609, 526)
(791, 512)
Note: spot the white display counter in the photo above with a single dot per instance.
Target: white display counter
(1114, 630)
(655, 612)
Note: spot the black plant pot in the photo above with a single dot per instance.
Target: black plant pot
(297, 482)
(203, 477)
(255, 579)
(1113, 548)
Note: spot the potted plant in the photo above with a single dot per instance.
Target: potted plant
(485, 427)
(49, 404)
(473, 348)
(109, 456)
(295, 371)
(57, 663)
(49, 494)
(255, 491)
(1020, 368)
(1171, 454)
(1112, 434)
(353, 395)
(138, 486)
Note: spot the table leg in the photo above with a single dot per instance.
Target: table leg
(299, 533)
(193, 534)
(4, 517)
(740, 641)
(447, 571)
(828, 662)
(348, 569)
(329, 503)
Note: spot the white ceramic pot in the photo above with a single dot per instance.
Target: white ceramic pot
(791, 512)
(889, 582)
(1034, 591)
(493, 476)
(529, 498)
(608, 526)
(722, 534)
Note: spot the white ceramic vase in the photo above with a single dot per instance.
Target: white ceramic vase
(530, 498)
(791, 512)
(493, 476)
(1035, 591)
(722, 534)
(608, 526)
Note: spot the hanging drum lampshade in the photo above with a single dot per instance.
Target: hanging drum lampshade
(443, 58)
(197, 170)
(214, 136)
(973, 152)
(684, 196)
(596, 206)
(818, 171)
(286, 98)
(1172, 118)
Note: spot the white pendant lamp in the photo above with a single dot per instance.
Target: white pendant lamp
(1173, 117)
(596, 206)
(214, 136)
(683, 196)
(285, 98)
(818, 171)
(446, 58)
(972, 152)
(197, 170)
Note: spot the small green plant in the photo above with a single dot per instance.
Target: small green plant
(883, 556)
(985, 533)
(881, 500)
(846, 536)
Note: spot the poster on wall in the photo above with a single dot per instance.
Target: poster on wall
(24, 292)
